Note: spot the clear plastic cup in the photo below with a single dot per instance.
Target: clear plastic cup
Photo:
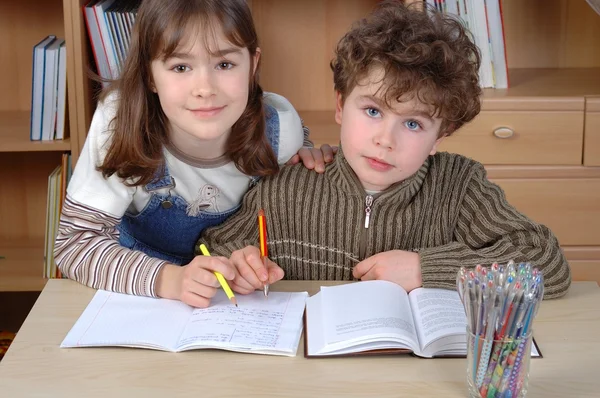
(498, 368)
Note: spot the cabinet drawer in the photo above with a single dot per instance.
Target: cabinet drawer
(591, 155)
(538, 138)
(569, 207)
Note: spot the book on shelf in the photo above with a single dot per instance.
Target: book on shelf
(484, 20)
(109, 24)
(97, 44)
(57, 188)
(38, 77)
(49, 90)
(61, 93)
(497, 43)
(257, 325)
(379, 317)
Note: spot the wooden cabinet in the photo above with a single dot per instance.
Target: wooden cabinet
(549, 167)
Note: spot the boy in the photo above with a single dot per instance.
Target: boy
(393, 207)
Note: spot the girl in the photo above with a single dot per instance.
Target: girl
(174, 144)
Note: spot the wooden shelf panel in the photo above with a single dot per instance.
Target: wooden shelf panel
(551, 33)
(14, 135)
(549, 82)
(22, 265)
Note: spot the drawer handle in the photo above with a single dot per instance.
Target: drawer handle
(504, 132)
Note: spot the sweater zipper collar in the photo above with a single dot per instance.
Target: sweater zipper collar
(368, 208)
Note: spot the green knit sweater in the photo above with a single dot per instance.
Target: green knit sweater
(447, 211)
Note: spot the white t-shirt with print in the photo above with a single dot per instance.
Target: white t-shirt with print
(214, 185)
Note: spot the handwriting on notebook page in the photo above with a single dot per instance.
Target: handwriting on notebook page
(256, 322)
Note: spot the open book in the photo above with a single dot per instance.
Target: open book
(259, 325)
(380, 317)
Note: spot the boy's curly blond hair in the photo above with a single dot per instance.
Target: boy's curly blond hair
(422, 53)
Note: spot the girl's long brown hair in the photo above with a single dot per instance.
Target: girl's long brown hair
(140, 127)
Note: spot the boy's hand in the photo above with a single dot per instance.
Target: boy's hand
(314, 158)
(398, 266)
(195, 283)
(251, 273)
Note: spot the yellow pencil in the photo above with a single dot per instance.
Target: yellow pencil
(220, 278)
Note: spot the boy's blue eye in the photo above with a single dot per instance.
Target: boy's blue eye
(412, 125)
(372, 112)
(225, 65)
(180, 68)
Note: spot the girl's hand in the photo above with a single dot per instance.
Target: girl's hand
(314, 158)
(195, 283)
(252, 273)
(398, 266)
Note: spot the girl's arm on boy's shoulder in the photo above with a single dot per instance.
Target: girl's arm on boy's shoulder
(311, 157)
(87, 250)
(490, 230)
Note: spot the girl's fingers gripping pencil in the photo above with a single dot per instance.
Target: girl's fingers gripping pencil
(220, 278)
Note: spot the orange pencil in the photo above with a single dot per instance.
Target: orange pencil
(264, 252)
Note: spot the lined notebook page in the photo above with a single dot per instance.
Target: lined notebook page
(126, 320)
(261, 325)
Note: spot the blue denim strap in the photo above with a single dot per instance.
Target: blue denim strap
(163, 179)
(272, 127)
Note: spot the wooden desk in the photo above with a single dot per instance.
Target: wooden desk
(566, 329)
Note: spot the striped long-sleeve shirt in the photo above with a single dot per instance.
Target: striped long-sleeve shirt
(448, 212)
(87, 250)
(87, 245)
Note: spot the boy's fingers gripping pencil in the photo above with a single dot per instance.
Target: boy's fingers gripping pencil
(221, 279)
(262, 234)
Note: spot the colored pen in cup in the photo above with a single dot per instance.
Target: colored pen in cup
(460, 283)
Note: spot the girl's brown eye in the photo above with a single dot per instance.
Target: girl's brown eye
(225, 65)
(180, 68)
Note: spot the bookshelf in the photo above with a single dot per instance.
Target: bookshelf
(25, 165)
(549, 168)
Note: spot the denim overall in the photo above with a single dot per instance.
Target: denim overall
(163, 229)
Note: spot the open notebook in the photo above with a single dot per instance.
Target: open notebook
(259, 325)
(374, 317)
